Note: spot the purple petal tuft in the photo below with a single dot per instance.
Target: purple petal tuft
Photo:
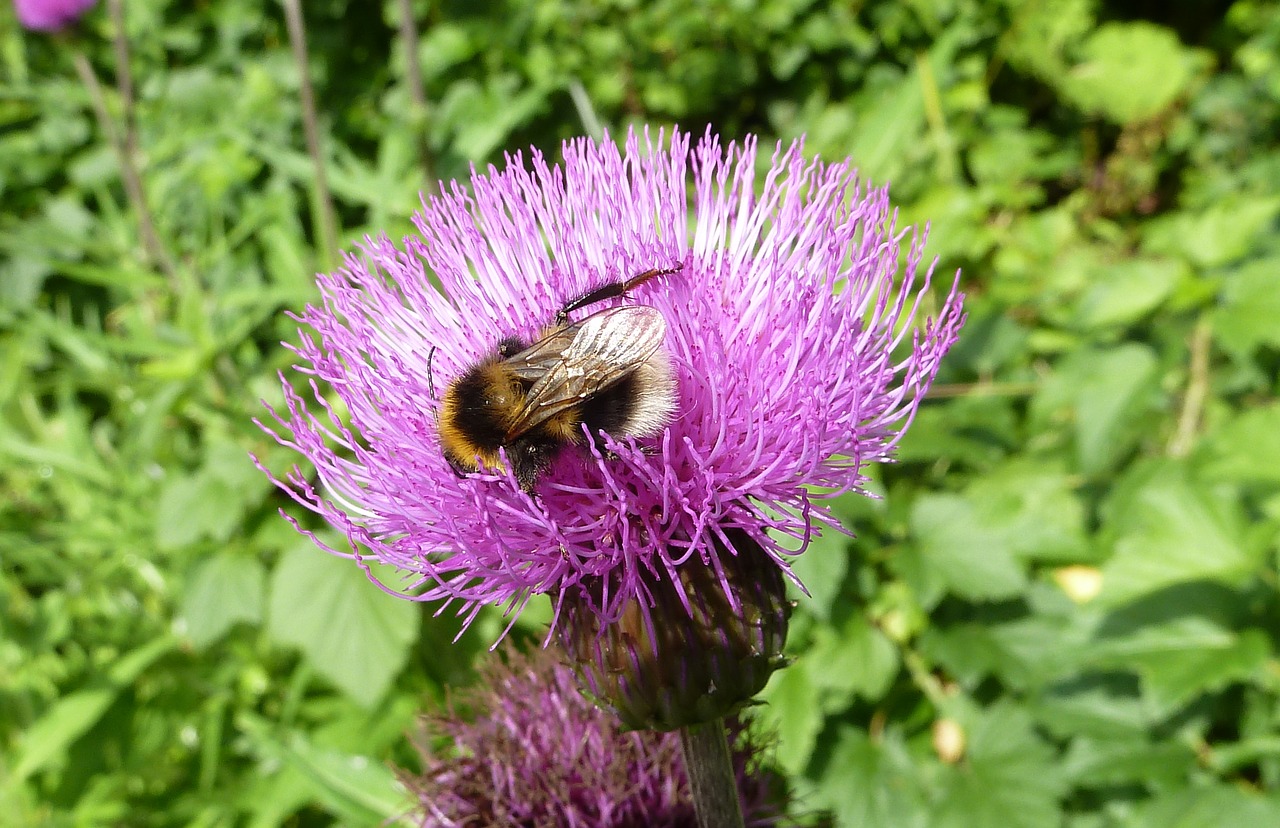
(794, 330)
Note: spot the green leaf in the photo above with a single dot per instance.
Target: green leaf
(1245, 449)
(1129, 72)
(1249, 316)
(1108, 394)
(1126, 759)
(856, 659)
(821, 569)
(1186, 656)
(1170, 531)
(791, 709)
(967, 557)
(226, 588)
(872, 785)
(1214, 806)
(351, 632)
(357, 788)
(1127, 291)
(1009, 778)
(1226, 231)
(196, 507)
(73, 714)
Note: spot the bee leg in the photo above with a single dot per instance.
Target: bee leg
(529, 459)
(611, 290)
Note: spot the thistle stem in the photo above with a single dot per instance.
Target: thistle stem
(417, 93)
(326, 217)
(715, 787)
(124, 146)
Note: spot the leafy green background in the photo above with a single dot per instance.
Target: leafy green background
(1062, 612)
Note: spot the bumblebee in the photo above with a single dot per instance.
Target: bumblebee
(607, 372)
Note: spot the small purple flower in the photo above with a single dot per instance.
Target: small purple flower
(532, 751)
(50, 15)
(793, 330)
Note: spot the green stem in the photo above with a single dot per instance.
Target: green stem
(417, 93)
(326, 216)
(710, 768)
(124, 147)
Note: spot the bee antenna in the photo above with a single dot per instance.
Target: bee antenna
(431, 381)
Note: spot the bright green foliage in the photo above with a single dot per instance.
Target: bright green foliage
(1064, 610)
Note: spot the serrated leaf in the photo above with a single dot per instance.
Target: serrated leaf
(1108, 393)
(1129, 72)
(1182, 658)
(1127, 291)
(971, 559)
(791, 710)
(1125, 760)
(821, 569)
(351, 632)
(1214, 806)
(1169, 531)
(1250, 310)
(225, 589)
(1101, 706)
(871, 785)
(196, 507)
(73, 714)
(1034, 508)
(1008, 780)
(856, 659)
(1226, 231)
(1246, 449)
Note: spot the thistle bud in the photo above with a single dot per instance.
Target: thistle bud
(697, 643)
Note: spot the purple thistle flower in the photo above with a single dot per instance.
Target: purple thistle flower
(532, 751)
(792, 329)
(50, 15)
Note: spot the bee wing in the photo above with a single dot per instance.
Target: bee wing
(573, 364)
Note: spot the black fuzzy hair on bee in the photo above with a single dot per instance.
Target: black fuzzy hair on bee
(530, 400)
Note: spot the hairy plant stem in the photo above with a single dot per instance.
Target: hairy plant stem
(326, 217)
(417, 93)
(710, 768)
(124, 146)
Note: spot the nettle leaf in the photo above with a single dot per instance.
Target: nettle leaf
(195, 507)
(976, 543)
(966, 556)
(225, 589)
(1169, 531)
(1024, 654)
(1249, 316)
(872, 784)
(1226, 231)
(1183, 657)
(791, 710)
(1127, 759)
(1246, 448)
(1108, 394)
(351, 632)
(856, 659)
(1128, 290)
(1009, 778)
(1129, 72)
(1106, 707)
(1212, 806)
(822, 569)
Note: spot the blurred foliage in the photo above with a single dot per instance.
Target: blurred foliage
(1064, 609)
